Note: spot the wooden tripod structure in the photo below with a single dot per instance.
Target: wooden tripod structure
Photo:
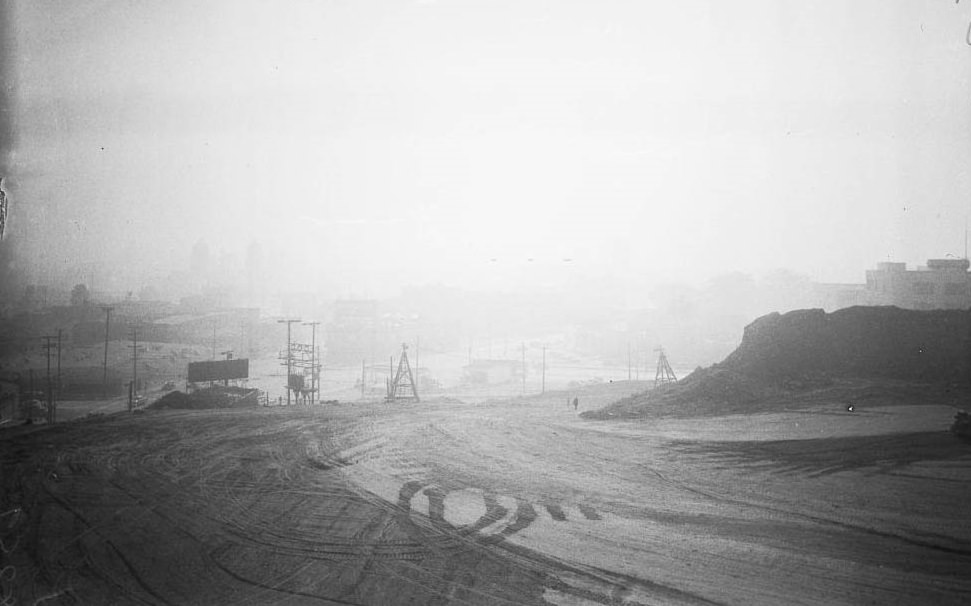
(664, 373)
(403, 379)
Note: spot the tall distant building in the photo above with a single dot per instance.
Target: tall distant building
(941, 284)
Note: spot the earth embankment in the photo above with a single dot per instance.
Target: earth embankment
(805, 357)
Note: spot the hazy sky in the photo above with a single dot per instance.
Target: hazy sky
(381, 142)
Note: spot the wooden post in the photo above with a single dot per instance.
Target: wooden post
(134, 368)
(524, 368)
(544, 370)
(104, 385)
(628, 360)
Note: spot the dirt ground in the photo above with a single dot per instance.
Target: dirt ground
(515, 501)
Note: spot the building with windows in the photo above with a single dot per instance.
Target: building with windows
(941, 284)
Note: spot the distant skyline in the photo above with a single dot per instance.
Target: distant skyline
(371, 144)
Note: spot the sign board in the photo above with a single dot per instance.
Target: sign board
(218, 370)
(296, 382)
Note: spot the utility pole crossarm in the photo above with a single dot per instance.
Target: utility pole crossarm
(314, 362)
(289, 322)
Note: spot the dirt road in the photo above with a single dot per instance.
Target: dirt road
(516, 502)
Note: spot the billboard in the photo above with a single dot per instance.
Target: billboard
(218, 370)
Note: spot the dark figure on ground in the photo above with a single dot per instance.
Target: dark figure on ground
(576, 403)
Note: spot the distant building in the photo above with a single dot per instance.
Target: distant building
(942, 284)
(491, 372)
(351, 335)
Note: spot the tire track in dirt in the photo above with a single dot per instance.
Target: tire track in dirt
(614, 588)
(215, 555)
(823, 521)
(287, 516)
(472, 539)
(90, 530)
(588, 514)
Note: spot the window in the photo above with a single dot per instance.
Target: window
(923, 288)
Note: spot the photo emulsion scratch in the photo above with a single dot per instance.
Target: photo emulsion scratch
(385, 302)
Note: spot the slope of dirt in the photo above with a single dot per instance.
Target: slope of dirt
(847, 357)
(212, 397)
(883, 342)
(517, 502)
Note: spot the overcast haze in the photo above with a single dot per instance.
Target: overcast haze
(366, 145)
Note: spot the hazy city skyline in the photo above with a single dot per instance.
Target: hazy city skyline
(369, 145)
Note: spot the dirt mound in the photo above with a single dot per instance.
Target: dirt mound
(885, 342)
(173, 399)
(215, 397)
(712, 390)
(808, 356)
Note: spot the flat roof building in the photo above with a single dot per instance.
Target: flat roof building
(941, 284)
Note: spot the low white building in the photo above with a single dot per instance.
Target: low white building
(941, 284)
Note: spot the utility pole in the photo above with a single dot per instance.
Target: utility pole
(58, 363)
(288, 322)
(544, 370)
(628, 360)
(133, 392)
(363, 376)
(48, 346)
(524, 368)
(30, 406)
(417, 343)
(213, 339)
(104, 384)
(313, 359)
(229, 356)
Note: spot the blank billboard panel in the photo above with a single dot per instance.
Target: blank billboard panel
(218, 370)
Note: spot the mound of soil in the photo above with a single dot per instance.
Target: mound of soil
(173, 399)
(216, 397)
(790, 360)
(885, 342)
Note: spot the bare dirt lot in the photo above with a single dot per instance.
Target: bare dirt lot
(503, 502)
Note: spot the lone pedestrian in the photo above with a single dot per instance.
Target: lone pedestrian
(576, 403)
